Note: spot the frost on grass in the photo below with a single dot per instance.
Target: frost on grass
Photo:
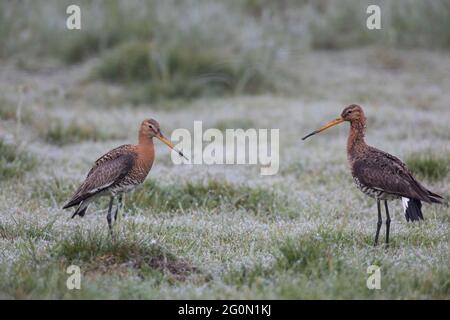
(225, 231)
(428, 165)
(14, 161)
(98, 252)
(211, 195)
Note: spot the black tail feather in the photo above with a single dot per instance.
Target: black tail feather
(70, 204)
(81, 210)
(412, 209)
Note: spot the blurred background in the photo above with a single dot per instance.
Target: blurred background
(159, 50)
(164, 54)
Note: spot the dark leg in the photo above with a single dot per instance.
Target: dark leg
(119, 206)
(388, 221)
(108, 217)
(380, 221)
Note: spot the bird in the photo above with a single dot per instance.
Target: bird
(118, 171)
(379, 174)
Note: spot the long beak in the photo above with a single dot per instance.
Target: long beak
(167, 141)
(325, 126)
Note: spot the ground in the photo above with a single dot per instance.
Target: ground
(304, 233)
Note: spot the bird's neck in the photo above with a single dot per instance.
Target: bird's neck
(146, 150)
(144, 140)
(355, 142)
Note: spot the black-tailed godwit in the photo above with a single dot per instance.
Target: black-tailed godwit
(118, 171)
(379, 174)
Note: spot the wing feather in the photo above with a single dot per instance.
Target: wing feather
(386, 172)
(111, 155)
(103, 175)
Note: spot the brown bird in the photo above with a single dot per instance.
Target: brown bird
(379, 174)
(118, 171)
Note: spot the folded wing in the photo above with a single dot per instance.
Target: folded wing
(385, 172)
(105, 174)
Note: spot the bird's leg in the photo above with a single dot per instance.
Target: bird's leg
(380, 221)
(108, 217)
(119, 205)
(388, 221)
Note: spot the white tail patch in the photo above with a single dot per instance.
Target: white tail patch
(405, 202)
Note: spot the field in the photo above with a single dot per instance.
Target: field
(222, 232)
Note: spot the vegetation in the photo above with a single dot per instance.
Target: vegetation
(99, 252)
(7, 109)
(170, 57)
(221, 232)
(429, 165)
(235, 123)
(184, 72)
(60, 134)
(211, 195)
(13, 161)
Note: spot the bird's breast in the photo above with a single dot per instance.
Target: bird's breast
(141, 170)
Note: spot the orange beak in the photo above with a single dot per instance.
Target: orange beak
(170, 144)
(325, 127)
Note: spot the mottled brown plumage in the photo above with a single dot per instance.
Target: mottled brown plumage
(118, 171)
(378, 174)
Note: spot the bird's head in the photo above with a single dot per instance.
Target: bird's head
(150, 128)
(353, 114)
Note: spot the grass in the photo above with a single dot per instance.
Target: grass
(128, 62)
(428, 165)
(99, 252)
(113, 31)
(183, 60)
(7, 109)
(161, 52)
(210, 195)
(182, 197)
(53, 192)
(415, 17)
(220, 232)
(326, 25)
(235, 123)
(225, 232)
(306, 266)
(178, 72)
(335, 29)
(409, 24)
(106, 29)
(58, 133)
(96, 254)
(14, 162)
(21, 228)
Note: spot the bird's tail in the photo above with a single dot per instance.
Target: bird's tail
(412, 209)
(435, 198)
(81, 210)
